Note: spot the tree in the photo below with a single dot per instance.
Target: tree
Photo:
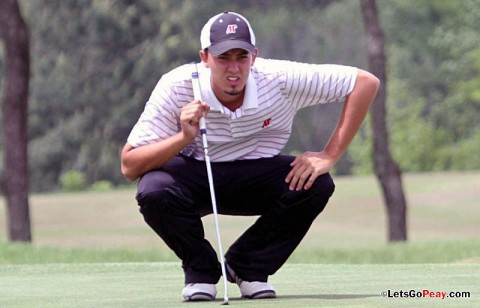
(14, 33)
(386, 169)
(433, 70)
(96, 63)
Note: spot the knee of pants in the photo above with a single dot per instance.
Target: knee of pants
(323, 186)
(316, 196)
(152, 185)
(158, 191)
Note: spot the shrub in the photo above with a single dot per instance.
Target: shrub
(101, 186)
(73, 181)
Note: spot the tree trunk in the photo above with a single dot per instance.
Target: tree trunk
(386, 169)
(14, 32)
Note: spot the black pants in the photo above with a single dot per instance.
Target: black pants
(174, 198)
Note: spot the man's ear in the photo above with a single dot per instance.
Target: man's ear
(204, 57)
(254, 56)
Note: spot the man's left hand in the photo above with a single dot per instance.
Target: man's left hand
(307, 167)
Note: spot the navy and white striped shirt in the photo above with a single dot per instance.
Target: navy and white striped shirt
(275, 91)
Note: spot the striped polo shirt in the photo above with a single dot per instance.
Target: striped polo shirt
(275, 91)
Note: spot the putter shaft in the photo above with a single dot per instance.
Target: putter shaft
(203, 132)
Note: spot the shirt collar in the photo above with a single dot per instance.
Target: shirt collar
(249, 101)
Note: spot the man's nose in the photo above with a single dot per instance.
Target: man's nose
(233, 66)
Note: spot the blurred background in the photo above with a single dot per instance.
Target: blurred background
(95, 63)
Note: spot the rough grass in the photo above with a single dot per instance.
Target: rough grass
(466, 251)
(443, 220)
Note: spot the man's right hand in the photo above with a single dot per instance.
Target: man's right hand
(138, 160)
(190, 118)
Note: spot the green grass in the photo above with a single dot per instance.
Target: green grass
(92, 249)
(466, 251)
(443, 226)
(300, 285)
(28, 254)
(441, 207)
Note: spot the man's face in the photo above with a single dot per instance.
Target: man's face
(229, 73)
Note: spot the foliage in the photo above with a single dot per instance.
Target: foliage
(101, 186)
(72, 181)
(434, 64)
(95, 63)
(433, 97)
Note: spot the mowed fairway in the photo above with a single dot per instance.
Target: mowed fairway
(92, 249)
(298, 285)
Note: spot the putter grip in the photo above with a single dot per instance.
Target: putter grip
(203, 126)
(197, 94)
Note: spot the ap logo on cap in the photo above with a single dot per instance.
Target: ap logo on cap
(231, 29)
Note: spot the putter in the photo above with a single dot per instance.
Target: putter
(203, 131)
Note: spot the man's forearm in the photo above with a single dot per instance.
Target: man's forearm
(137, 161)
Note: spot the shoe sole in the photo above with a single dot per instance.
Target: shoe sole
(261, 295)
(198, 297)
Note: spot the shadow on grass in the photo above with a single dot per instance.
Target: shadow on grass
(328, 296)
(314, 296)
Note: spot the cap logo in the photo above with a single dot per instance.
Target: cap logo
(231, 29)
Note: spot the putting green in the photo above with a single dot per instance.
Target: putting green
(300, 285)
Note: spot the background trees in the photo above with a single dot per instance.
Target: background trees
(433, 56)
(94, 64)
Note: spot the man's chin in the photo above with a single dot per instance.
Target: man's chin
(233, 93)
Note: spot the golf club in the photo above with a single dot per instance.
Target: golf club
(203, 131)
